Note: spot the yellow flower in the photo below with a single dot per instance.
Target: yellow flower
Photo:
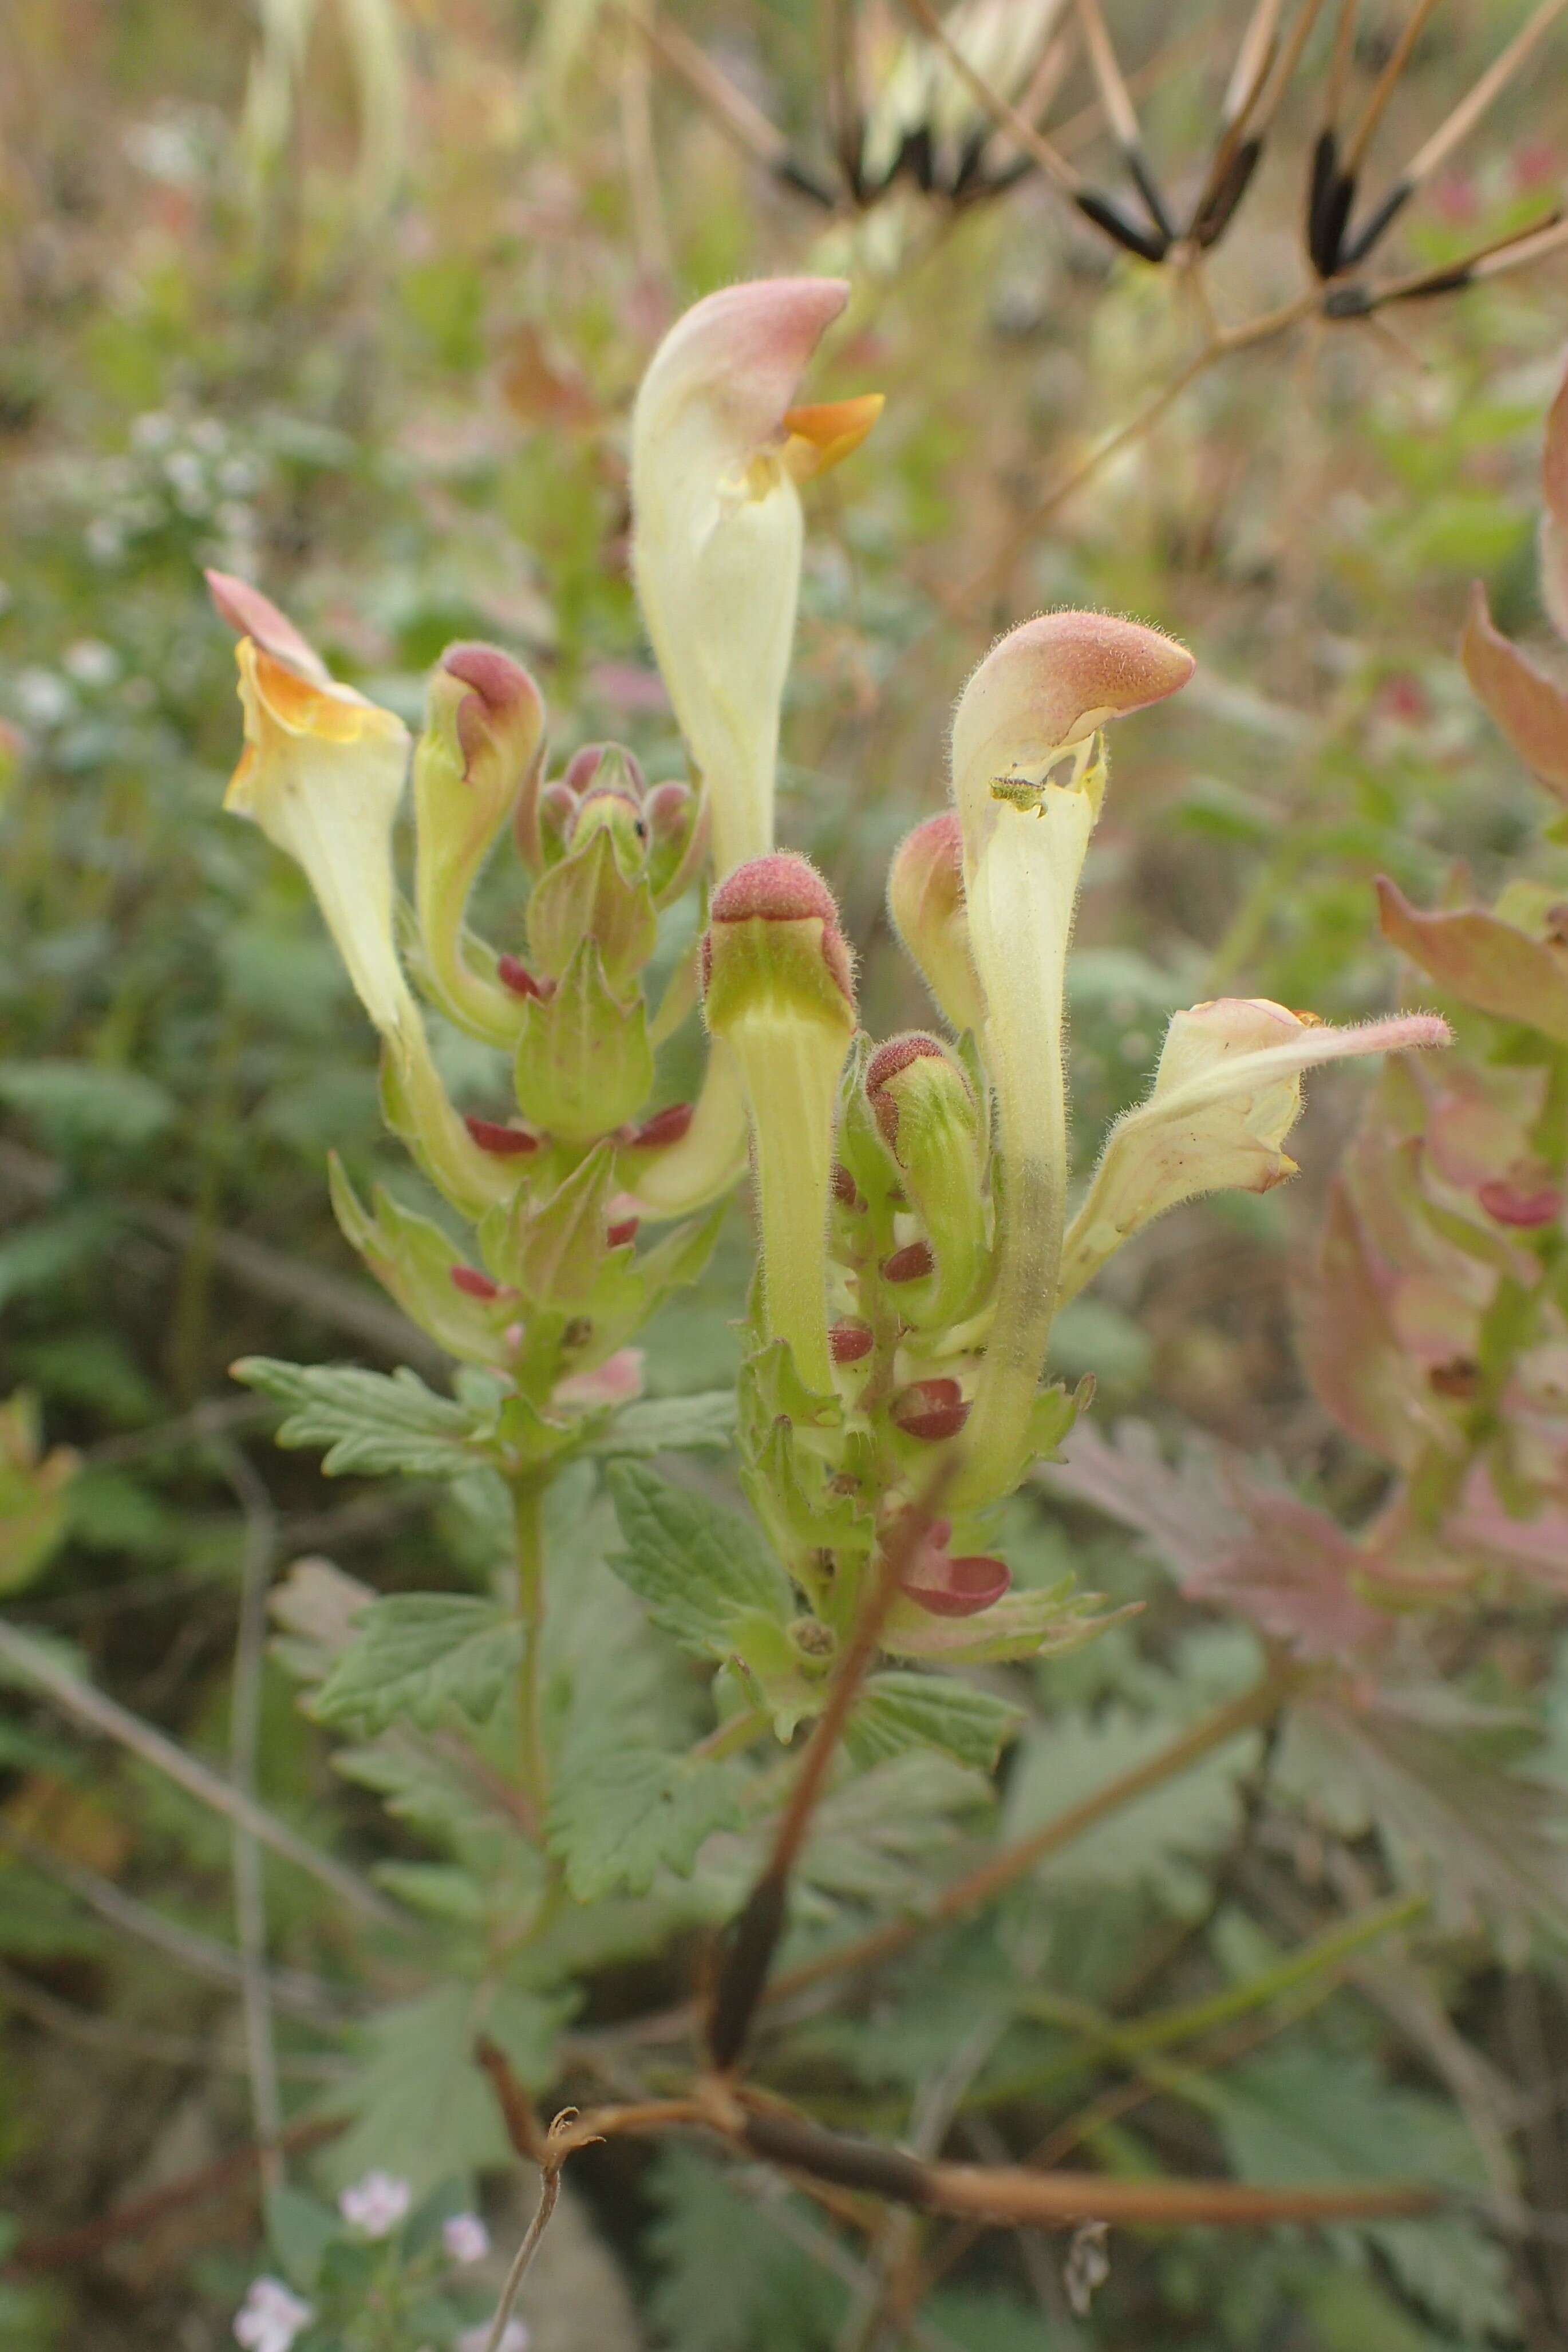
(322, 773)
(718, 452)
(1028, 773)
(1226, 1093)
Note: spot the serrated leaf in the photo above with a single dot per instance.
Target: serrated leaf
(619, 1815)
(678, 1425)
(1160, 1841)
(699, 1570)
(421, 1658)
(897, 1711)
(1314, 2116)
(423, 2112)
(729, 2279)
(368, 1421)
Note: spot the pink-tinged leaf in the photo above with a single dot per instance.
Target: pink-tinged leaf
(1346, 1339)
(1488, 962)
(1529, 708)
(1254, 1549)
(1554, 521)
(251, 615)
(1488, 1841)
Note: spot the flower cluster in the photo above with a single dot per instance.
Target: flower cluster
(558, 1180)
(407, 2257)
(911, 1195)
(912, 1201)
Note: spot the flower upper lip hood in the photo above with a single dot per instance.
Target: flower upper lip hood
(716, 452)
(1048, 686)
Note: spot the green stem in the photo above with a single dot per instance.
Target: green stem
(740, 1732)
(527, 1501)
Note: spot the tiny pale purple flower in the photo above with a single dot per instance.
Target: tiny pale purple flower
(465, 2237)
(376, 2204)
(270, 2317)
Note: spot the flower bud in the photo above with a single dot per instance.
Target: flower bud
(945, 1586)
(717, 453)
(930, 1122)
(1028, 777)
(850, 1341)
(930, 1410)
(925, 901)
(591, 896)
(1226, 1093)
(321, 774)
(583, 1063)
(779, 993)
(677, 839)
(484, 737)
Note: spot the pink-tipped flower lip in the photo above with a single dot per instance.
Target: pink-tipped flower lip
(743, 351)
(897, 1054)
(1050, 682)
(500, 691)
(781, 887)
(934, 851)
(251, 615)
(888, 1061)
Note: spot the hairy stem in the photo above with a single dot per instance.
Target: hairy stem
(528, 1511)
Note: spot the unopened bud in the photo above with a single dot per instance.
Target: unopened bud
(955, 1587)
(514, 973)
(925, 900)
(677, 839)
(583, 1063)
(913, 1263)
(591, 895)
(475, 1285)
(484, 738)
(930, 1409)
(848, 1342)
(506, 1142)
(666, 1126)
(929, 1120)
(779, 993)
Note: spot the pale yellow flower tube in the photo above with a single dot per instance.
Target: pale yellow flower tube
(1028, 778)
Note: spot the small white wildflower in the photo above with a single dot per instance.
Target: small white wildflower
(43, 697)
(465, 2237)
(514, 2339)
(105, 540)
(152, 430)
(375, 2204)
(91, 662)
(270, 2317)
